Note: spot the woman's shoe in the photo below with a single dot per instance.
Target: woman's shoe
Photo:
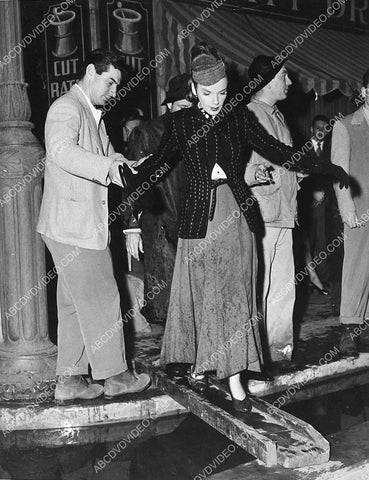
(321, 291)
(198, 383)
(242, 406)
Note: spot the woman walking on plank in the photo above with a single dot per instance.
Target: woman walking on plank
(212, 320)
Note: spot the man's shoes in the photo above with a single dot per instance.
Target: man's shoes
(75, 387)
(126, 382)
(348, 342)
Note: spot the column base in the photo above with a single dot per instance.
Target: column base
(28, 377)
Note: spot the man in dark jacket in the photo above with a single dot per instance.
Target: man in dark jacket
(160, 206)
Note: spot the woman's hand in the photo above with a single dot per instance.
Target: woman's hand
(134, 245)
(351, 220)
(338, 173)
(318, 196)
(263, 173)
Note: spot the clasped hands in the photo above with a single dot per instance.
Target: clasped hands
(134, 244)
(263, 173)
(119, 160)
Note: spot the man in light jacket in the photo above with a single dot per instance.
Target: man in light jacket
(73, 222)
(278, 205)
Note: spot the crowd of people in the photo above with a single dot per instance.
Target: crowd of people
(217, 227)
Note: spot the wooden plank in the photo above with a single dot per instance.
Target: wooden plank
(349, 461)
(240, 433)
(272, 436)
(299, 444)
(310, 374)
(315, 446)
(314, 390)
(87, 413)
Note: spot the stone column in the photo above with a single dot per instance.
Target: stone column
(27, 356)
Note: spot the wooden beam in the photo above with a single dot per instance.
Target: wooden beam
(271, 435)
(349, 461)
(314, 390)
(298, 443)
(310, 374)
(243, 435)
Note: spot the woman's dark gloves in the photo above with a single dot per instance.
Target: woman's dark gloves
(127, 177)
(338, 173)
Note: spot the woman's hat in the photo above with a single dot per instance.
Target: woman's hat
(207, 69)
(266, 67)
(179, 88)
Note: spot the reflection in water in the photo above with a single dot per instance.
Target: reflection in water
(181, 447)
(336, 411)
(176, 447)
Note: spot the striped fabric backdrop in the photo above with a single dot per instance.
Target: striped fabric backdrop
(324, 61)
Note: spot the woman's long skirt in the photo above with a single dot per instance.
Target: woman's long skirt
(212, 318)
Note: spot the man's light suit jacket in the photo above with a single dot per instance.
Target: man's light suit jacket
(74, 207)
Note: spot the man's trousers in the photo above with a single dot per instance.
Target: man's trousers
(355, 275)
(278, 296)
(90, 327)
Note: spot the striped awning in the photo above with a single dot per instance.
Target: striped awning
(324, 60)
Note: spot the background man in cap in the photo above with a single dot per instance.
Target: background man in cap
(159, 219)
(275, 189)
(179, 93)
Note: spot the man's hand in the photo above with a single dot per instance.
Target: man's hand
(351, 220)
(118, 157)
(114, 172)
(134, 245)
(140, 160)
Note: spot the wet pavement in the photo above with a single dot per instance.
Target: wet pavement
(180, 447)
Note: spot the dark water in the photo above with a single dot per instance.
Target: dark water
(181, 447)
(177, 447)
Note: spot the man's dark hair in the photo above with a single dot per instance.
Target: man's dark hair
(101, 59)
(366, 78)
(320, 118)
